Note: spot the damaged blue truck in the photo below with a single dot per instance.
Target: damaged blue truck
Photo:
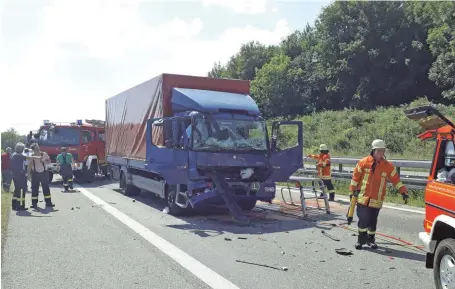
(197, 141)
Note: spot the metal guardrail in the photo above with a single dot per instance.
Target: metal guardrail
(410, 180)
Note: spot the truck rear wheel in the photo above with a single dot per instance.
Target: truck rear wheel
(128, 190)
(444, 264)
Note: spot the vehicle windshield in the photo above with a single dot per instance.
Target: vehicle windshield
(60, 136)
(234, 134)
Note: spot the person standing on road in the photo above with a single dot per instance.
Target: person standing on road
(324, 169)
(37, 169)
(26, 154)
(19, 178)
(369, 185)
(65, 161)
(6, 170)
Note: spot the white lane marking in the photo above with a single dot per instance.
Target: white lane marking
(208, 276)
(384, 206)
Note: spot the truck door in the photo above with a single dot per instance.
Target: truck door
(170, 160)
(286, 155)
(87, 139)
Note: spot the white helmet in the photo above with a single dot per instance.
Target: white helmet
(378, 144)
(323, 147)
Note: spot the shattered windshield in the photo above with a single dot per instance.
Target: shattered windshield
(61, 136)
(233, 134)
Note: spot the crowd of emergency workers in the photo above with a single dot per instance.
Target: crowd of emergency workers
(30, 164)
(368, 183)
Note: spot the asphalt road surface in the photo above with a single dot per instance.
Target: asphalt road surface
(98, 238)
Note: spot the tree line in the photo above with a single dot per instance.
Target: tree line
(356, 55)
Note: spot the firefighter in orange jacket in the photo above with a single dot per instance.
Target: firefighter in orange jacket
(369, 184)
(324, 169)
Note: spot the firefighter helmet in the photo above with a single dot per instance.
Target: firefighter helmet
(323, 147)
(378, 144)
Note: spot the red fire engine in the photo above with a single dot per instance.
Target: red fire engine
(439, 223)
(84, 140)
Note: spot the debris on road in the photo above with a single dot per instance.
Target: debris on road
(344, 252)
(330, 236)
(242, 238)
(134, 201)
(227, 239)
(166, 210)
(262, 265)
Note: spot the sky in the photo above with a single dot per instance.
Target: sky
(61, 59)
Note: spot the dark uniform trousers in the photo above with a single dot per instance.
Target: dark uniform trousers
(66, 171)
(43, 179)
(20, 187)
(368, 220)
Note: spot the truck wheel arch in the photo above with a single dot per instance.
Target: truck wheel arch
(443, 227)
(88, 162)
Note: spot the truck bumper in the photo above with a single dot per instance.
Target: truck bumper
(213, 197)
(426, 240)
(429, 246)
(53, 168)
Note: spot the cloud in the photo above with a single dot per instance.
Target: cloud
(88, 52)
(240, 6)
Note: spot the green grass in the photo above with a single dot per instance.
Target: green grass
(6, 207)
(349, 132)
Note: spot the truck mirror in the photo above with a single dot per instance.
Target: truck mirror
(273, 143)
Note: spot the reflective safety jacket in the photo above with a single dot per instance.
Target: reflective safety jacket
(323, 166)
(370, 178)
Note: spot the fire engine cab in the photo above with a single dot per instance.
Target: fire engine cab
(84, 140)
(439, 224)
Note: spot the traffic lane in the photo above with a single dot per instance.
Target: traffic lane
(395, 223)
(79, 245)
(279, 241)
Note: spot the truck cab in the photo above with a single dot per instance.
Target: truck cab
(84, 140)
(438, 236)
(213, 150)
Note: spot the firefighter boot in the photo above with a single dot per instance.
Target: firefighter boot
(371, 241)
(361, 240)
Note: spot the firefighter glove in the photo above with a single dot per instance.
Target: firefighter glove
(350, 220)
(405, 198)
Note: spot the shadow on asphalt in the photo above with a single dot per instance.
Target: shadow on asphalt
(402, 254)
(28, 214)
(216, 220)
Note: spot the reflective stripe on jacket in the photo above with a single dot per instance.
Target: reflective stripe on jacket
(372, 182)
(323, 166)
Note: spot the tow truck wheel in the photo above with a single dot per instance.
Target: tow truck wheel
(128, 190)
(247, 205)
(51, 176)
(444, 264)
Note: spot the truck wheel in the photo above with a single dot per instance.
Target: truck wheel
(247, 205)
(128, 190)
(51, 176)
(90, 176)
(444, 264)
(174, 209)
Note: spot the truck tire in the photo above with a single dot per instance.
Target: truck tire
(51, 176)
(128, 190)
(247, 205)
(444, 259)
(174, 209)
